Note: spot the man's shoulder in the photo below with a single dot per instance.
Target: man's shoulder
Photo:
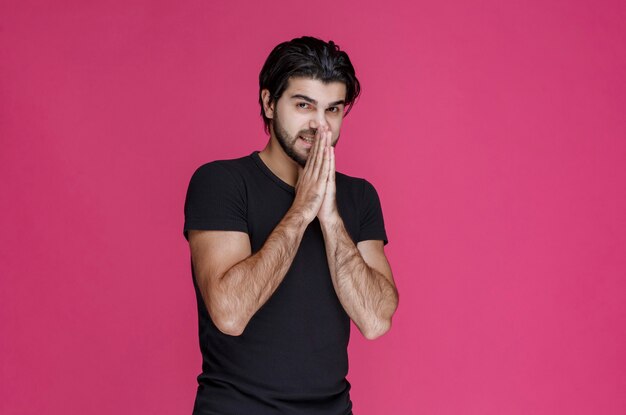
(233, 167)
(352, 182)
(232, 163)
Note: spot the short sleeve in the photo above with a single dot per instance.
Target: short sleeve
(372, 224)
(215, 200)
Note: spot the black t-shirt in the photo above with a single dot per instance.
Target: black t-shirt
(292, 356)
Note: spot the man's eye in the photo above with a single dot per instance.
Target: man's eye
(333, 109)
(303, 105)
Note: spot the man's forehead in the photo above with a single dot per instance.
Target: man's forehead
(316, 89)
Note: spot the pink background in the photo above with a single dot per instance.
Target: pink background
(495, 133)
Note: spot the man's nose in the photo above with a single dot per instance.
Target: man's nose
(318, 121)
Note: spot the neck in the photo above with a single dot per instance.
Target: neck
(280, 163)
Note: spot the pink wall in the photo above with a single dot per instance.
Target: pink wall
(494, 132)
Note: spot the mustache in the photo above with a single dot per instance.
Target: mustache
(308, 132)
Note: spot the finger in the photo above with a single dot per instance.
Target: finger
(325, 165)
(329, 136)
(331, 176)
(319, 156)
(311, 160)
(301, 171)
(325, 147)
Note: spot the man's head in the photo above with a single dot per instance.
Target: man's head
(305, 83)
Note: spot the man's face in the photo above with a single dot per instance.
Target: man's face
(306, 105)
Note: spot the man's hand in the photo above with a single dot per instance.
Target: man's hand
(312, 184)
(328, 211)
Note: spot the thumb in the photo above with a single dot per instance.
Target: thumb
(300, 174)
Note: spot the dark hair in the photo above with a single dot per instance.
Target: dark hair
(306, 57)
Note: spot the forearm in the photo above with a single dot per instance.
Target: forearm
(367, 296)
(246, 286)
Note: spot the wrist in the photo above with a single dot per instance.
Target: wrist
(331, 221)
(299, 216)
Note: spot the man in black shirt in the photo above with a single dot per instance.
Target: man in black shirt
(285, 251)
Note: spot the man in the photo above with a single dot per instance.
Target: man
(285, 251)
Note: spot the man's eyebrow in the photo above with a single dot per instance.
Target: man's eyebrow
(334, 104)
(314, 102)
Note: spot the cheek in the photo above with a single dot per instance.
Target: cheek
(294, 121)
(287, 124)
(336, 128)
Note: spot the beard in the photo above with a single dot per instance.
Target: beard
(288, 142)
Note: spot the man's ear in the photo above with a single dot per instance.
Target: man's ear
(267, 107)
